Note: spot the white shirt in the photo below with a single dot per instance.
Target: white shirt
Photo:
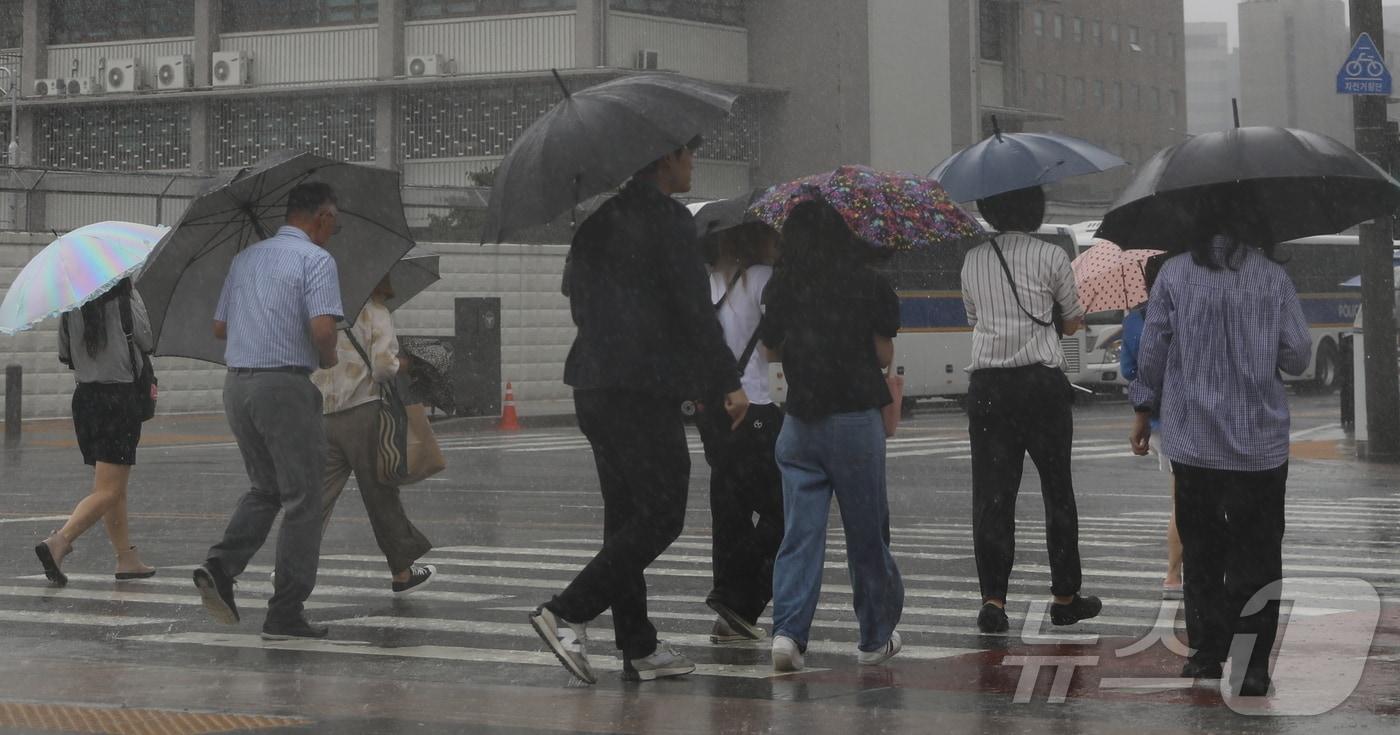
(739, 318)
(1002, 335)
(351, 383)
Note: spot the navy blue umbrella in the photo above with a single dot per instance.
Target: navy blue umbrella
(1010, 161)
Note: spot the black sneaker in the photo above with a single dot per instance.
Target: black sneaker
(293, 630)
(1081, 608)
(992, 619)
(1201, 670)
(216, 591)
(735, 621)
(419, 576)
(1255, 684)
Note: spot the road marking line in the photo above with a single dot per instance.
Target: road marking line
(33, 519)
(67, 618)
(265, 588)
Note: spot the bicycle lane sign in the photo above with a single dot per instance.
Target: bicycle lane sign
(1364, 70)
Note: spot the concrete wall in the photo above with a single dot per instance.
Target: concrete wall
(536, 329)
(1212, 77)
(911, 122)
(702, 50)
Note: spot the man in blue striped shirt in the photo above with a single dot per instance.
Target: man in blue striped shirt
(278, 313)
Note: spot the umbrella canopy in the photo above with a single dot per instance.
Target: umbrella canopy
(594, 140)
(430, 373)
(1010, 161)
(891, 211)
(185, 275)
(1276, 183)
(723, 214)
(412, 275)
(75, 269)
(1110, 278)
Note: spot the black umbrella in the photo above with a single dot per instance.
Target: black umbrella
(1276, 184)
(723, 214)
(186, 271)
(412, 275)
(430, 373)
(594, 140)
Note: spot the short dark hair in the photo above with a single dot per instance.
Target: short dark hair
(1022, 210)
(691, 145)
(309, 197)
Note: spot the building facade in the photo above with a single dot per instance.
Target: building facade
(1290, 51)
(1212, 77)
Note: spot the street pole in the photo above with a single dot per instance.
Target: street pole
(1377, 270)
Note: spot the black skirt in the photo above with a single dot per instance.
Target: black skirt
(107, 421)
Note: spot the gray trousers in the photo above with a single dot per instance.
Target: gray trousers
(350, 435)
(276, 418)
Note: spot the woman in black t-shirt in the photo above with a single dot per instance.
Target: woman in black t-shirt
(831, 320)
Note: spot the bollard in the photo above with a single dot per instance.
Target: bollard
(14, 385)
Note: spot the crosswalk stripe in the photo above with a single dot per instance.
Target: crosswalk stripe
(71, 592)
(48, 617)
(265, 588)
(447, 653)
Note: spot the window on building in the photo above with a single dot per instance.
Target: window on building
(1115, 96)
(11, 24)
(1076, 95)
(1133, 44)
(1096, 33)
(92, 21)
(989, 26)
(433, 9)
(1061, 91)
(1135, 97)
(1113, 36)
(1171, 45)
(152, 137)
(1172, 102)
(1098, 94)
(1040, 87)
(1038, 23)
(266, 15)
(1076, 29)
(1154, 100)
(1058, 27)
(723, 12)
(335, 126)
(1152, 44)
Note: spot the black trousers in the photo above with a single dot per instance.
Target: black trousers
(744, 482)
(639, 446)
(1013, 412)
(1231, 527)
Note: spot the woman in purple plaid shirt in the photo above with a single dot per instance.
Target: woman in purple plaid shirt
(1222, 322)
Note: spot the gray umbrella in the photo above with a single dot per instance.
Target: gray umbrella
(594, 140)
(412, 275)
(723, 214)
(186, 271)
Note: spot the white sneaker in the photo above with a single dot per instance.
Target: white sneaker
(875, 658)
(664, 662)
(567, 641)
(786, 655)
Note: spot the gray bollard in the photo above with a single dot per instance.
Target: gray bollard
(14, 389)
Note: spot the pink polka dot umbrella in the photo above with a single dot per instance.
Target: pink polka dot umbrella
(1110, 278)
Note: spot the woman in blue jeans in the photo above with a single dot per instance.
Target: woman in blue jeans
(831, 320)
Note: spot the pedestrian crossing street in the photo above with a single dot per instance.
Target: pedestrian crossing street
(474, 613)
(907, 444)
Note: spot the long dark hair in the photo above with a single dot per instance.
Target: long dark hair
(94, 315)
(1231, 213)
(816, 243)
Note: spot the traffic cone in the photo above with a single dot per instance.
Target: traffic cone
(509, 421)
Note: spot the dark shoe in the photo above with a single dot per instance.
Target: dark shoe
(216, 591)
(294, 630)
(419, 576)
(51, 552)
(1255, 684)
(1082, 608)
(992, 619)
(129, 566)
(1201, 670)
(735, 621)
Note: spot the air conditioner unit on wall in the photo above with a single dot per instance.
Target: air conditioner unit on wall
(174, 72)
(122, 75)
(49, 87)
(84, 85)
(648, 59)
(232, 68)
(432, 65)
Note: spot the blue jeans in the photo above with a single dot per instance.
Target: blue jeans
(842, 454)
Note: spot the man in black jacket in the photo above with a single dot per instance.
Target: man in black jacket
(647, 339)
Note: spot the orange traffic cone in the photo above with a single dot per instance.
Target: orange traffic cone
(509, 421)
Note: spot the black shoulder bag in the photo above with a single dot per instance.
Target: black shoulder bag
(145, 382)
(1057, 313)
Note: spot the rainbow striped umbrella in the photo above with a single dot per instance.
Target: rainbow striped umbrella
(75, 269)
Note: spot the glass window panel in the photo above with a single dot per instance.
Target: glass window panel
(11, 24)
(116, 138)
(92, 21)
(724, 12)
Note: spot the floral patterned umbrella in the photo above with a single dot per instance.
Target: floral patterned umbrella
(1110, 278)
(891, 211)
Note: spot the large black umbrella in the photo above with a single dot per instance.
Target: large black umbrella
(1277, 183)
(186, 271)
(594, 140)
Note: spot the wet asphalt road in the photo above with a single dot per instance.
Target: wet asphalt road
(515, 514)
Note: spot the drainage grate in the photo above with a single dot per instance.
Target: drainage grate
(109, 721)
